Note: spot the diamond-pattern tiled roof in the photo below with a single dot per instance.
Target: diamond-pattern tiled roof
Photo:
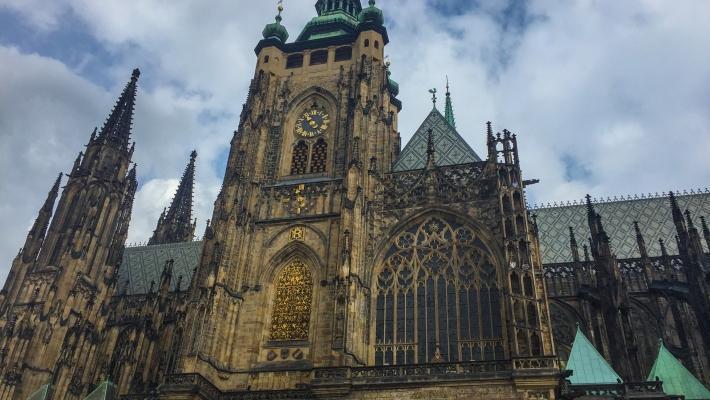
(141, 265)
(653, 215)
(450, 148)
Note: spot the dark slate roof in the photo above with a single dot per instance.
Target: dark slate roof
(141, 265)
(653, 215)
(450, 148)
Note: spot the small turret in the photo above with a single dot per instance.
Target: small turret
(372, 15)
(276, 30)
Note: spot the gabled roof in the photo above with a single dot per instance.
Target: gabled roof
(653, 215)
(141, 265)
(105, 391)
(677, 380)
(450, 147)
(588, 366)
(41, 393)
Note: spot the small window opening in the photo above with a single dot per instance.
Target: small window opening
(343, 54)
(319, 57)
(377, 44)
(266, 59)
(294, 61)
(367, 42)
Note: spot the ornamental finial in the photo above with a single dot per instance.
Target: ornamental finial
(280, 8)
(433, 96)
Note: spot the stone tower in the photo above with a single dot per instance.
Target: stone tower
(55, 301)
(332, 261)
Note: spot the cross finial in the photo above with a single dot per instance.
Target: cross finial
(447, 85)
(280, 8)
(433, 96)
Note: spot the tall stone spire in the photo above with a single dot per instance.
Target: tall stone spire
(35, 237)
(176, 225)
(449, 110)
(117, 128)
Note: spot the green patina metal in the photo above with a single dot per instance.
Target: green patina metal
(372, 14)
(42, 393)
(105, 391)
(276, 30)
(587, 365)
(449, 110)
(677, 380)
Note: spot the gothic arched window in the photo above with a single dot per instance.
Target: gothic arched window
(291, 315)
(299, 161)
(437, 297)
(319, 156)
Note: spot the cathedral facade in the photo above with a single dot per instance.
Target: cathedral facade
(338, 264)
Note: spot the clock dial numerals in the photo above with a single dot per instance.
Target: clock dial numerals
(312, 123)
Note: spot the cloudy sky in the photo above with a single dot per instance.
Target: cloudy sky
(607, 97)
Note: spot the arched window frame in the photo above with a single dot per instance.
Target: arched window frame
(292, 303)
(391, 305)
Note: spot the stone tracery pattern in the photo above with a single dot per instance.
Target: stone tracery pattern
(437, 297)
(292, 304)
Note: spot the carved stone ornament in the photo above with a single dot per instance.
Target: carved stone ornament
(297, 233)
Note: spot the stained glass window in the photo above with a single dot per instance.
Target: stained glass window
(437, 297)
(291, 314)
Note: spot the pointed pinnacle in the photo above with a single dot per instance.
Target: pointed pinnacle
(704, 224)
(636, 228)
(662, 243)
(572, 238)
(689, 218)
(118, 125)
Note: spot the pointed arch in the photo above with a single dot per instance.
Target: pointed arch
(291, 308)
(436, 292)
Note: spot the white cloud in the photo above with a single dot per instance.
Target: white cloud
(620, 88)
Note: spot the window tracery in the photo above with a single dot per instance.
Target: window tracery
(319, 155)
(437, 297)
(299, 161)
(291, 313)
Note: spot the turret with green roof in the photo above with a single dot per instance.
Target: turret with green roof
(276, 30)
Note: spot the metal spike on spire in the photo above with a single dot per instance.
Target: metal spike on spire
(449, 109)
(117, 127)
(176, 225)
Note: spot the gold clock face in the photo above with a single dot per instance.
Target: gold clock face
(312, 123)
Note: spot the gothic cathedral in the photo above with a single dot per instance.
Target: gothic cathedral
(339, 265)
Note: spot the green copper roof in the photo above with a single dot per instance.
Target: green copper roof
(335, 18)
(450, 148)
(42, 393)
(588, 366)
(677, 380)
(653, 214)
(105, 391)
(449, 110)
(141, 265)
(372, 14)
(276, 30)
